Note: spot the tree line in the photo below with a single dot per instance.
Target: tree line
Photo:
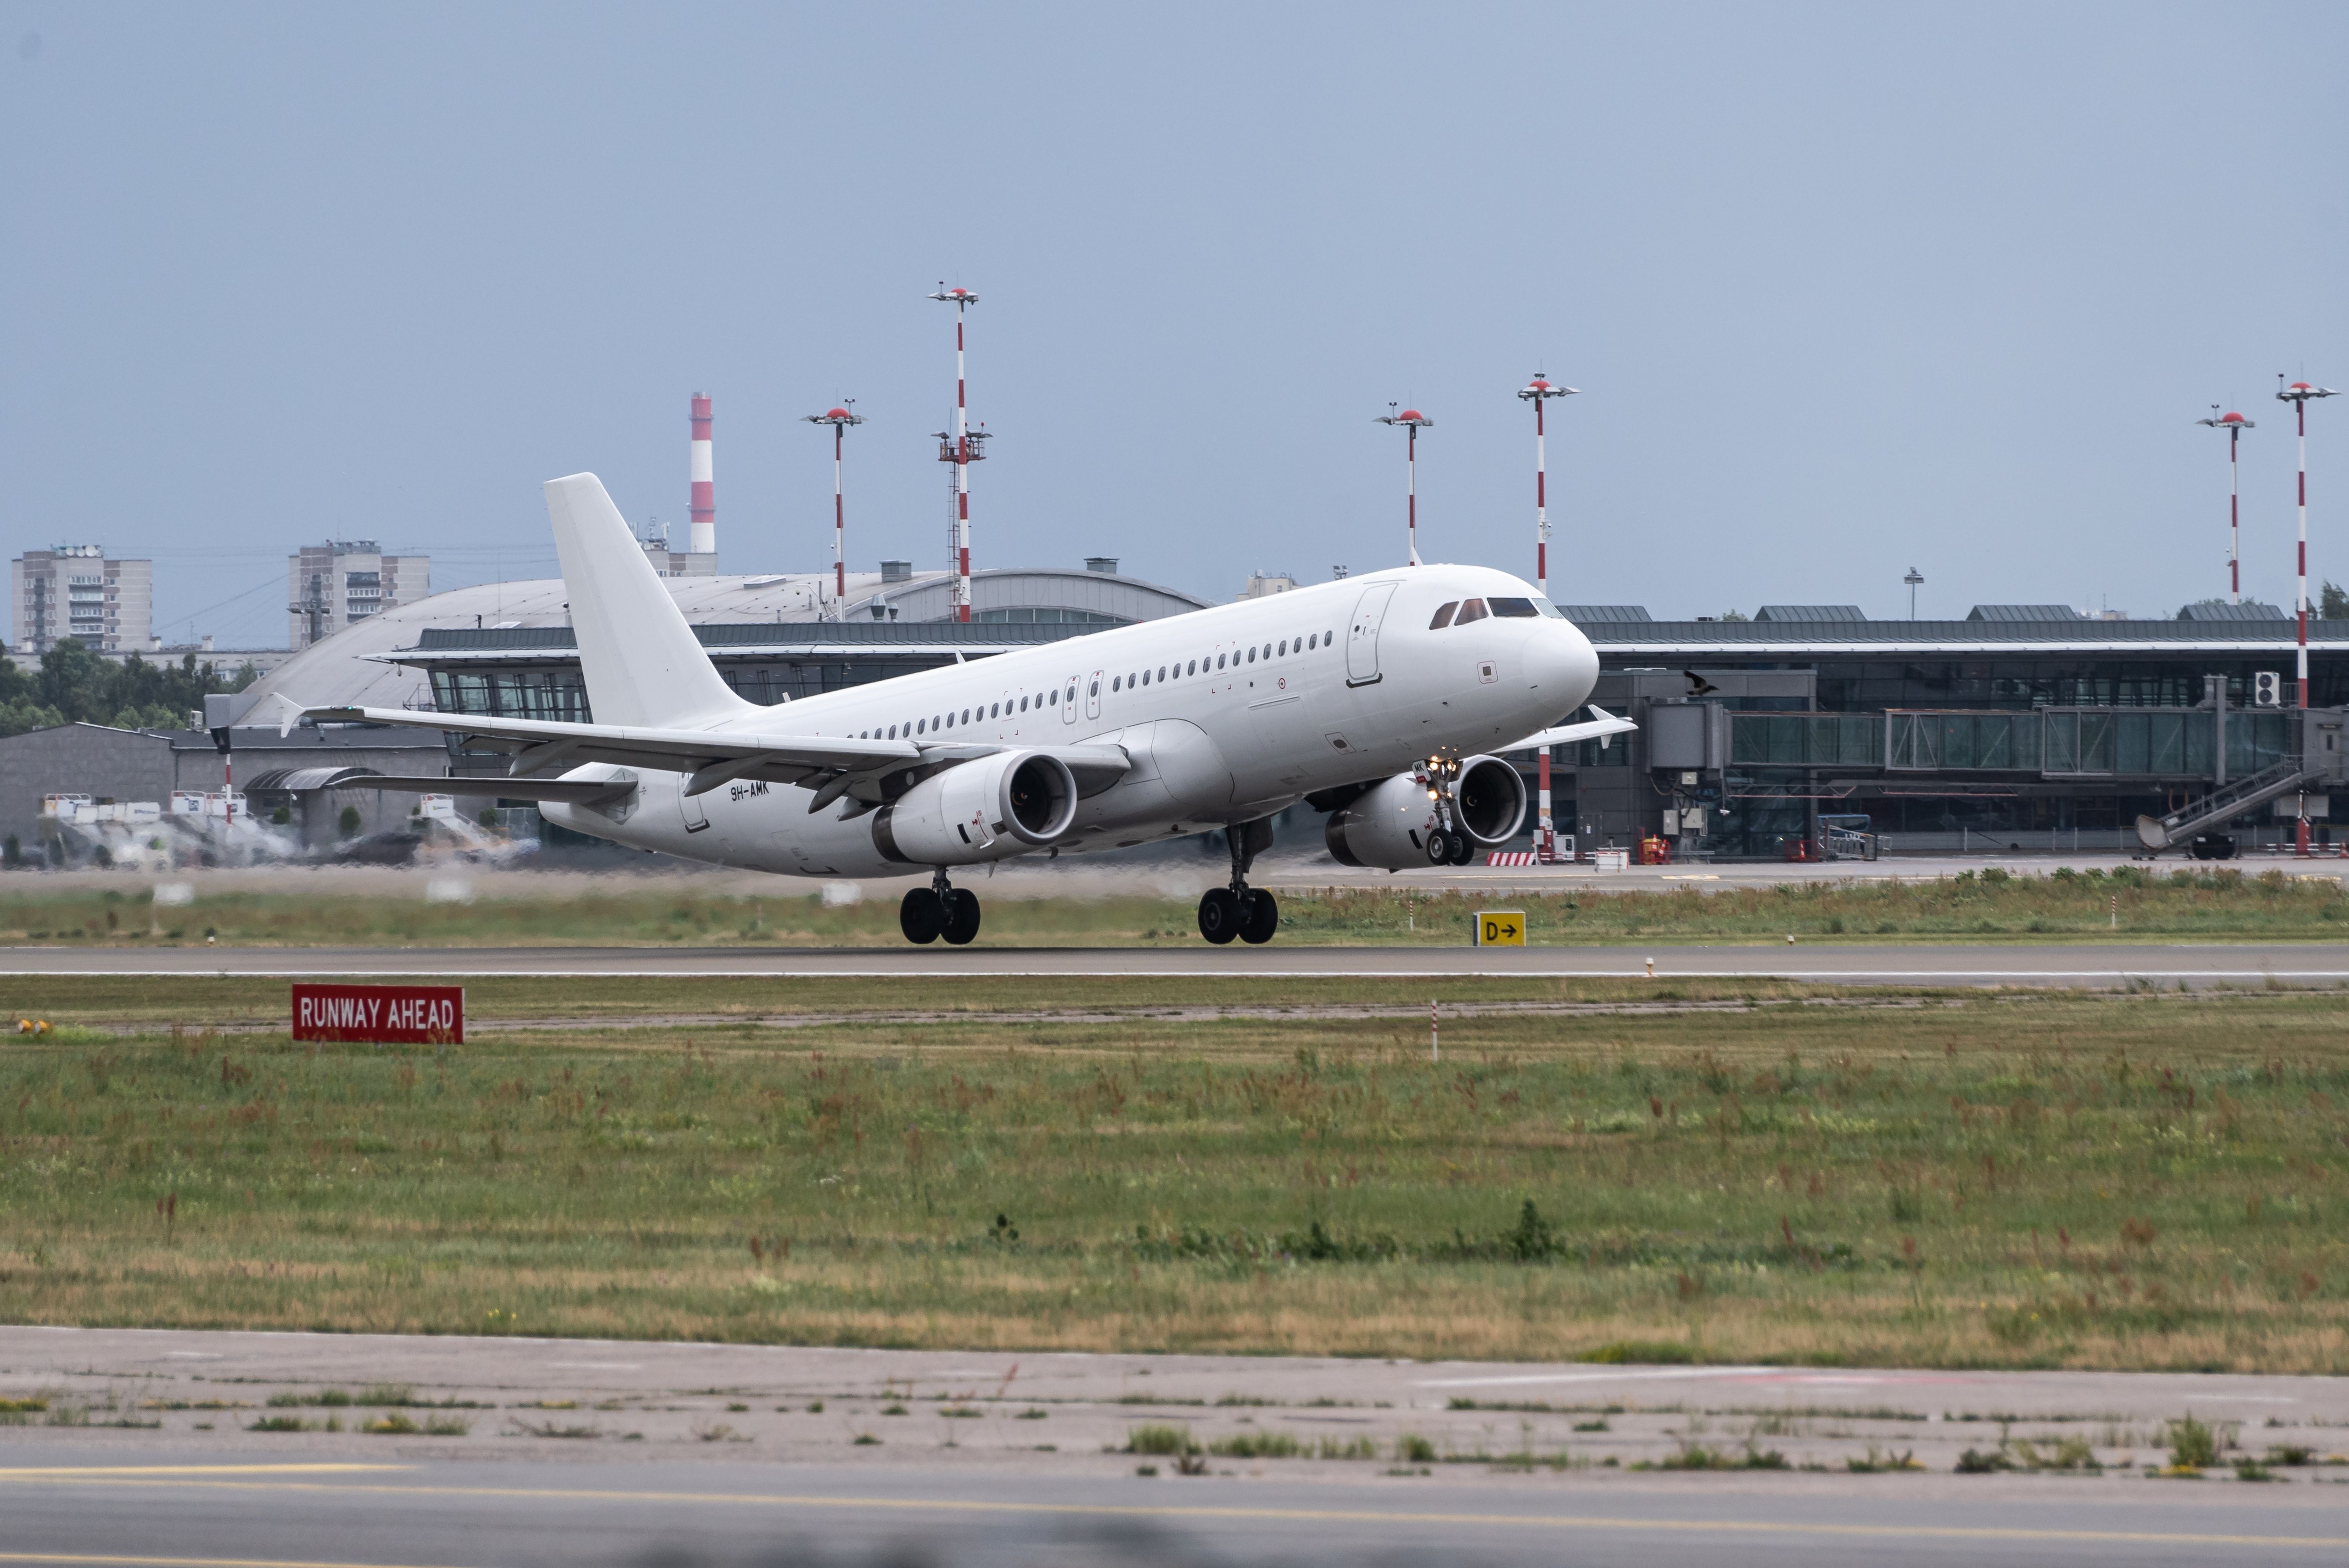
(76, 686)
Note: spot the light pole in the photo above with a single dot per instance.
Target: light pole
(2234, 425)
(2297, 395)
(838, 418)
(1914, 579)
(1539, 391)
(1412, 422)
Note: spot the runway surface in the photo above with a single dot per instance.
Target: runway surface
(2039, 964)
(583, 1451)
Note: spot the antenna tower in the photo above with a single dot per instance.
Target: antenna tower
(960, 447)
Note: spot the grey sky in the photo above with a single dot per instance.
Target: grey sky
(1847, 287)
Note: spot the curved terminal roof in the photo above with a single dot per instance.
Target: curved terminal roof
(351, 668)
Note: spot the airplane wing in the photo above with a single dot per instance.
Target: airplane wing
(1602, 729)
(712, 757)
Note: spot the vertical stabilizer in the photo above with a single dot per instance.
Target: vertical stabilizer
(641, 661)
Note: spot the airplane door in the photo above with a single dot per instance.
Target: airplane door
(1362, 642)
(1093, 695)
(689, 808)
(1069, 700)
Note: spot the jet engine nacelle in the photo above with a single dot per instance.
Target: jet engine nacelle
(984, 810)
(1387, 825)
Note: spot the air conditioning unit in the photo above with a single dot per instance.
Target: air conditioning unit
(2266, 689)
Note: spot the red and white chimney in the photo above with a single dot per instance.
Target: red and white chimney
(703, 540)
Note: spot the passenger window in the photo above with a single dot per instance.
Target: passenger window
(1516, 609)
(892, 732)
(1161, 672)
(1193, 669)
(1328, 638)
(1219, 661)
(1251, 656)
(1443, 616)
(1284, 647)
(1113, 683)
(1023, 705)
(1474, 610)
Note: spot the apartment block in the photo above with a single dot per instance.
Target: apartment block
(77, 590)
(342, 582)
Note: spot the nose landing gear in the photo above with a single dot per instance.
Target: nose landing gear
(1238, 910)
(1450, 843)
(940, 910)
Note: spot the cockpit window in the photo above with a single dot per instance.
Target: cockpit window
(1549, 609)
(1474, 610)
(1443, 616)
(1518, 609)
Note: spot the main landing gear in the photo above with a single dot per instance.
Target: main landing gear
(1240, 910)
(940, 910)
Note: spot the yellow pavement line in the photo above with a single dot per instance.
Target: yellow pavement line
(1205, 1511)
(71, 1471)
(95, 1561)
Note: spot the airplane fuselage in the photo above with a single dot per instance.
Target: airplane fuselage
(1229, 713)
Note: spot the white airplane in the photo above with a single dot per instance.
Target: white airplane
(1380, 700)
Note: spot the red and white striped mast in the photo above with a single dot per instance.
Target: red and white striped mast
(2234, 425)
(2297, 395)
(1413, 421)
(962, 453)
(701, 537)
(838, 418)
(1537, 392)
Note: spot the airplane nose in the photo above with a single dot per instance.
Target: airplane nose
(1563, 663)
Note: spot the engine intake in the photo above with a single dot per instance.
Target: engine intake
(1387, 825)
(984, 810)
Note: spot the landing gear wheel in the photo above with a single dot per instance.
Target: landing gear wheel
(1464, 849)
(961, 916)
(1439, 847)
(1220, 916)
(923, 915)
(1263, 918)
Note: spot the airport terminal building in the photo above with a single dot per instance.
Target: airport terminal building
(2021, 726)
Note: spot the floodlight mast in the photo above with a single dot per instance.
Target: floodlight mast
(1537, 392)
(2298, 395)
(1412, 422)
(2234, 425)
(962, 451)
(838, 418)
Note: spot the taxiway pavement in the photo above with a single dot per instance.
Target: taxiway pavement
(2100, 966)
(593, 1452)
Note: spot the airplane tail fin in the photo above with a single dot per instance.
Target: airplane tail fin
(642, 663)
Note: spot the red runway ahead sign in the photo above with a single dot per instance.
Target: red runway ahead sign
(394, 1015)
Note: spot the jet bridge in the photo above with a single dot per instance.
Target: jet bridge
(2318, 766)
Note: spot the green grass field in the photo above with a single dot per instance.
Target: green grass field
(2130, 905)
(1732, 1171)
